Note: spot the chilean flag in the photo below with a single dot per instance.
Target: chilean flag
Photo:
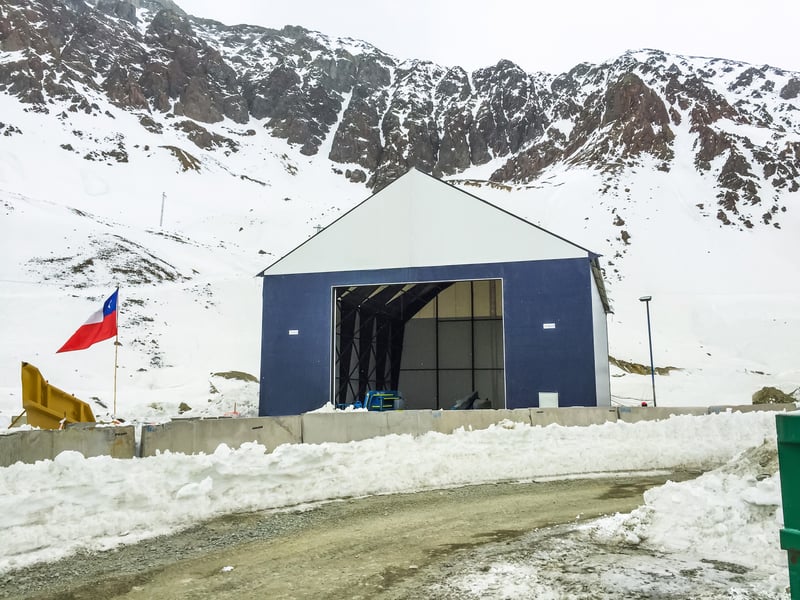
(101, 325)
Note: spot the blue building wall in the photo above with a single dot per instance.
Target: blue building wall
(296, 369)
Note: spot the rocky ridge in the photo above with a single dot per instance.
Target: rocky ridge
(374, 116)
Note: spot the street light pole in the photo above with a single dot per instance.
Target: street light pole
(646, 300)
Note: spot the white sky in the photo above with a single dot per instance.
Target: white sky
(552, 36)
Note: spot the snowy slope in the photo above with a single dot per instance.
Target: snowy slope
(190, 302)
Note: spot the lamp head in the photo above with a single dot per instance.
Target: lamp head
(645, 299)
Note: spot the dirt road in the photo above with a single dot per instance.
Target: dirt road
(365, 548)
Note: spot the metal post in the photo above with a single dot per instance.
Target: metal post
(161, 220)
(116, 355)
(116, 366)
(646, 300)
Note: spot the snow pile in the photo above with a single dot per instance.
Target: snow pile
(52, 508)
(731, 514)
(727, 505)
(716, 536)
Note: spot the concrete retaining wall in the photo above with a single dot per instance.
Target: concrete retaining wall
(339, 427)
(634, 414)
(571, 417)
(752, 408)
(28, 445)
(413, 422)
(205, 435)
(447, 421)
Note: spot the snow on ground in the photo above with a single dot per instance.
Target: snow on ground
(730, 514)
(715, 537)
(724, 311)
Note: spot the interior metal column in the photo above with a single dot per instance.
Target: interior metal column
(396, 352)
(347, 327)
(365, 332)
(383, 333)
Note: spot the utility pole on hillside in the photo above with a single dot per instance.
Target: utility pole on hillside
(161, 220)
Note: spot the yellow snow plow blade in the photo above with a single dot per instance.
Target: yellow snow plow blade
(47, 406)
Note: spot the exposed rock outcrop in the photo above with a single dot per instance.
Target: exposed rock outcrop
(367, 108)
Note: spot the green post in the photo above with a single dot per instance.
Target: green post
(788, 427)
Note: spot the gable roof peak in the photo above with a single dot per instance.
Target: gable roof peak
(420, 220)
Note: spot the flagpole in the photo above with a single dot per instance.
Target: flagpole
(116, 356)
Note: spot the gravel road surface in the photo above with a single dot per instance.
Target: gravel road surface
(392, 546)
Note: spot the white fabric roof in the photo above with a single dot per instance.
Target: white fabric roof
(420, 221)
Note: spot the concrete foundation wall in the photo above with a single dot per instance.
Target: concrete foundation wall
(205, 435)
(29, 446)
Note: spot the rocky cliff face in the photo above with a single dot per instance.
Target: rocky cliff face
(377, 116)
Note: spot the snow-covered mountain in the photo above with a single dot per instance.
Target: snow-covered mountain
(176, 157)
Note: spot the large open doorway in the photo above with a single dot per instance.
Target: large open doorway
(436, 342)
